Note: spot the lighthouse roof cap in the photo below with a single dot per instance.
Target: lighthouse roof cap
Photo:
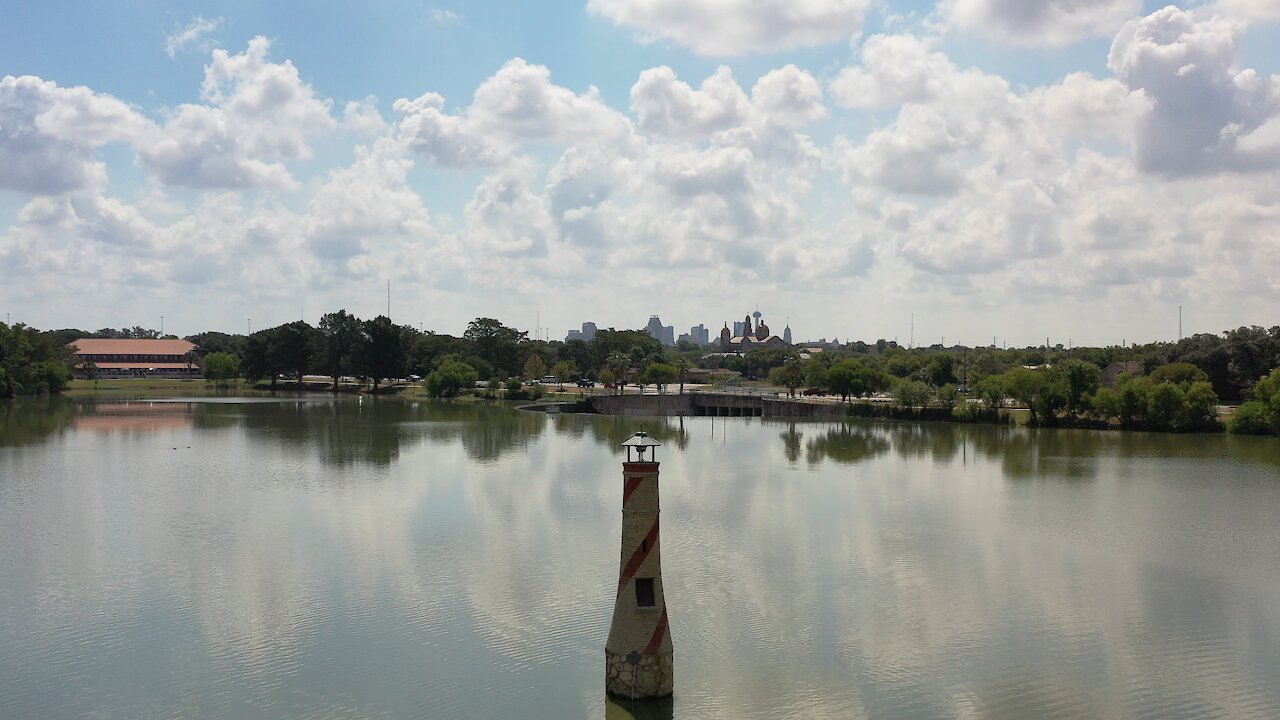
(641, 440)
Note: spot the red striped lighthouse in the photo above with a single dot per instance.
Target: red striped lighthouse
(638, 655)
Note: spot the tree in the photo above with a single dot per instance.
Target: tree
(495, 343)
(790, 375)
(1164, 405)
(212, 342)
(29, 363)
(381, 350)
(221, 368)
(1076, 380)
(991, 391)
(941, 370)
(660, 374)
(1260, 416)
(291, 348)
(428, 350)
(257, 362)
(843, 379)
(341, 333)
(948, 395)
(911, 394)
(1254, 352)
(618, 364)
(1026, 386)
(563, 370)
(451, 378)
(535, 368)
(682, 366)
(608, 342)
(1178, 372)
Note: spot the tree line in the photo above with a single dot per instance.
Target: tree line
(1054, 383)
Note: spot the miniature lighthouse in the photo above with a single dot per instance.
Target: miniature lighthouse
(638, 655)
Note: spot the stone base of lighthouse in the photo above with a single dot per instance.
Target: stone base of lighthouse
(652, 677)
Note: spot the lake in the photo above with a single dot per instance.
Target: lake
(321, 558)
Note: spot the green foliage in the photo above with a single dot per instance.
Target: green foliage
(854, 378)
(1178, 372)
(1260, 416)
(948, 395)
(1075, 381)
(1026, 386)
(221, 368)
(912, 394)
(941, 370)
(380, 351)
(1253, 352)
(631, 344)
(535, 368)
(1142, 404)
(450, 378)
(660, 374)
(495, 343)
(990, 390)
(340, 337)
(790, 375)
(29, 363)
(291, 348)
(563, 370)
(1252, 418)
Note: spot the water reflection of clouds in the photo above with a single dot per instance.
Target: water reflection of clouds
(891, 574)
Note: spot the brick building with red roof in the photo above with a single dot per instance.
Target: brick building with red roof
(135, 358)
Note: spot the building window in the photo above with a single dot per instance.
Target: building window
(644, 592)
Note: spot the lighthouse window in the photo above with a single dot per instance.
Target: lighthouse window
(644, 592)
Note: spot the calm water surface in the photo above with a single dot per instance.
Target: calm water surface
(330, 559)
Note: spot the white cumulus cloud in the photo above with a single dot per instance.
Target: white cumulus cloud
(1035, 22)
(1204, 111)
(258, 116)
(49, 135)
(738, 27)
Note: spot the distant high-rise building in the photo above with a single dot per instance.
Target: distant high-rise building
(665, 334)
(586, 334)
(740, 329)
(700, 334)
(786, 334)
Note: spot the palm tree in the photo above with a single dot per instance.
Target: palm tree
(618, 363)
(682, 366)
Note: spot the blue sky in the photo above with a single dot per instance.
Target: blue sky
(1012, 170)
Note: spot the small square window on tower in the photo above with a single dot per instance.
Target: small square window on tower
(644, 592)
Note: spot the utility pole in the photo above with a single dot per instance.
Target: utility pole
(1179, 323)
(248, 326)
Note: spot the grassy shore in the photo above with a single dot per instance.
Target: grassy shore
(153, 387)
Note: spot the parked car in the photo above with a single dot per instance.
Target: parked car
(814, 391)
(585, 383)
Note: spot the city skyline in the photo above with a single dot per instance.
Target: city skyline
(965, 169)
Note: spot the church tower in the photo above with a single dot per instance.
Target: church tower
(638, 654)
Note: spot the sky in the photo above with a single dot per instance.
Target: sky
(958, 171)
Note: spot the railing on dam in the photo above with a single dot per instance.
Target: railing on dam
(713, 403)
